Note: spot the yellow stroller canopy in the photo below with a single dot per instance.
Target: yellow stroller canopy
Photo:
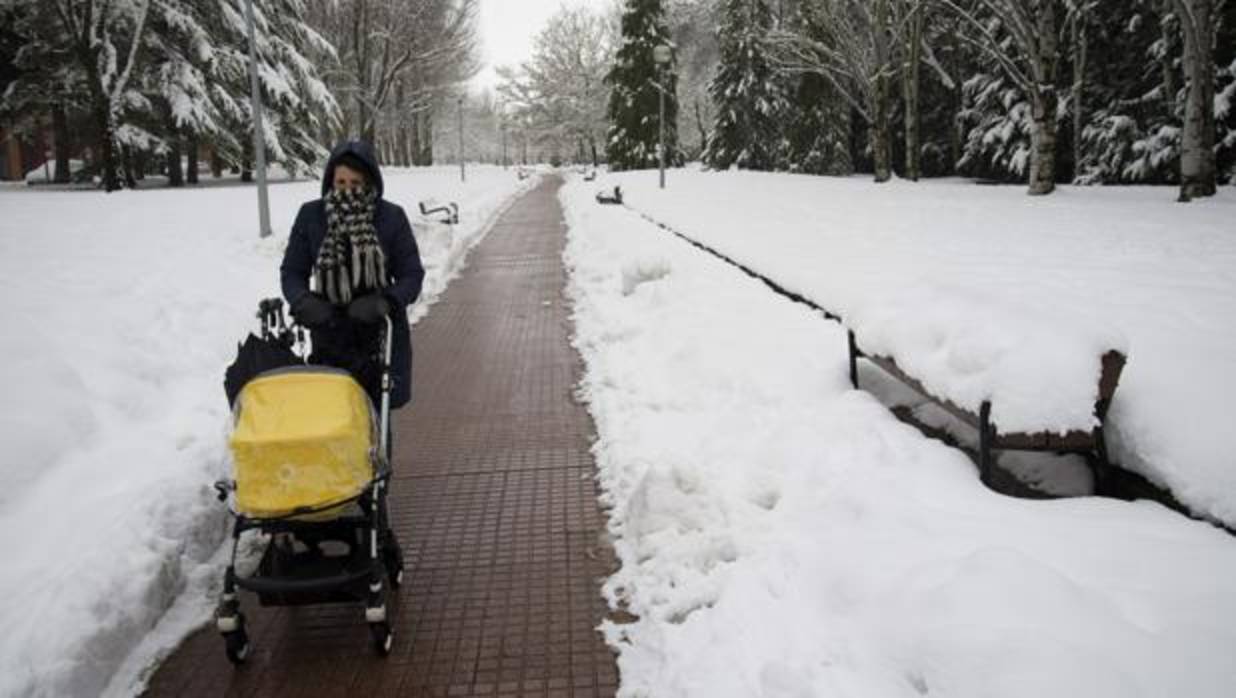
(303, 441)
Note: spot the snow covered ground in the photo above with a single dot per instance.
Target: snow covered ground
(120, 313)
(986, 292)
(784, 536)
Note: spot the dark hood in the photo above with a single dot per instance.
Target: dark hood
(360, 149)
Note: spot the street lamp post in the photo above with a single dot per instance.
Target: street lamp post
(463, 176)
(259, 142)
(661, 56)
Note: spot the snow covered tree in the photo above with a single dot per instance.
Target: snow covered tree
(398, 60)
(104, 39)
(39, 76)
(162, 76)
(852, 47)
(748, 95)
(635, 81)
(1022, 37)
(293, 59)
(561, 89)
(692, 24)
(817, 129)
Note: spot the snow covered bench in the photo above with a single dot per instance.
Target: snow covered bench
(449, 211)
(1049, 437)
(604, 197)
(1028, 377)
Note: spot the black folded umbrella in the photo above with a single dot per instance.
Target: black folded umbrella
(255, 355)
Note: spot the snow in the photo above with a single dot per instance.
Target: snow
(783, 535)
(121, 312)
(984, 292)
(45, 172)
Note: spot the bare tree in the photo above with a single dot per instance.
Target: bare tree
(561, 89)
(395, 55)
(850, 44)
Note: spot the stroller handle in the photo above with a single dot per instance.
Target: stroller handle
(386, 390)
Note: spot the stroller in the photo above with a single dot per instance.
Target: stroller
(311, 472)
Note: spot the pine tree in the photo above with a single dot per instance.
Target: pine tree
(634, 99)
(749, 96)
(817, 120)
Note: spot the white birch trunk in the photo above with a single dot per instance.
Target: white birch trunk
(1044, 101)
(880, 139)
(1197, 151)
(1080, 46)
(910, 81)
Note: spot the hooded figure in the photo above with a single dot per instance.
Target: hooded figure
(358, 250)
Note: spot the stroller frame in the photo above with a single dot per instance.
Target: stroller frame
(288, 577)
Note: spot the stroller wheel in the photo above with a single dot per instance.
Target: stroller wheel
(383, 637)
(237, 643)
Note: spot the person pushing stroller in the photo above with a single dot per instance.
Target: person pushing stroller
(359, 252)
(310, 473)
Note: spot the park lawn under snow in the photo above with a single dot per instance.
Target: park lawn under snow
(120, 313)
(985, 292)
(783, 535)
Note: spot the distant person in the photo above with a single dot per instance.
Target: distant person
(357, 252)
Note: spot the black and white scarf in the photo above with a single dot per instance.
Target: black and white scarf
(349, 229)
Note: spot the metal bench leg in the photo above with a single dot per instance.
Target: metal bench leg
(985, 434)
(853, 360)
(1100, 466)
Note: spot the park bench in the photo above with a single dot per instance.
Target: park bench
(449, 211)
(604, 197)
(590, 176)
(1088, 443)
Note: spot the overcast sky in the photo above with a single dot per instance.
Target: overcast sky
(507, 29)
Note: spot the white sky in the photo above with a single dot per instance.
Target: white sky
(508, 27)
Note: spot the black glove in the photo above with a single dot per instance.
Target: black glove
(369, 309)
(312, 310)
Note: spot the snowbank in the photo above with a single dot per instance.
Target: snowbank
(986, 292)
(784, 536)
(121, 312)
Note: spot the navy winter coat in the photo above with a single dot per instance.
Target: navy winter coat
(403, 260)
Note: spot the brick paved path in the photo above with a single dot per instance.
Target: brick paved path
(494, 503)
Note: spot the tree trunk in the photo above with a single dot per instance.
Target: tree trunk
(216, 163)
(130, 169)
(60, 132)
(910, 77)
(699, 126)
(956, 135)
(191, 146)
(401, 127)
(175, 175)
(427, 139)
(880, 150)
(246, 167)
(1043, 144)
(1197, 147)
(101, 115)
(1080, 45)
(1044, 102)
(414, 138)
